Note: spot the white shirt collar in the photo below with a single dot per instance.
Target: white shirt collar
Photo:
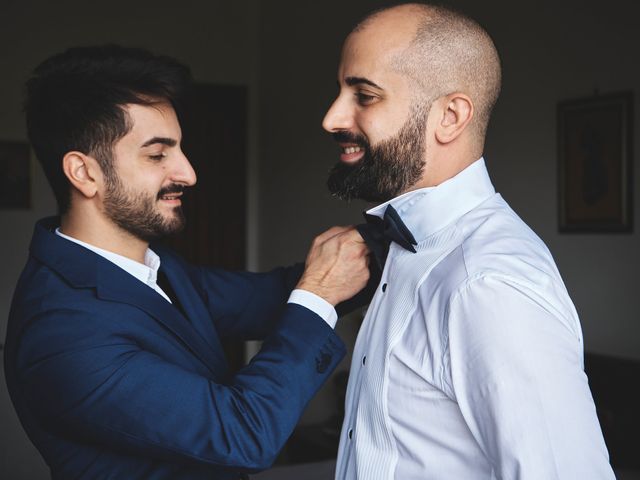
(427, 210)
(146, 272)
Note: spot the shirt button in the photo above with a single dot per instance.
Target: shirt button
(350, 433)
(364, 360)
(384, 287)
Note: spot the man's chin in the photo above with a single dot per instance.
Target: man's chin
(166, 223)
(349, 187)
(174, 225)
(344, 181)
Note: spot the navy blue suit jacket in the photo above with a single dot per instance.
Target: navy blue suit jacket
(111, 381)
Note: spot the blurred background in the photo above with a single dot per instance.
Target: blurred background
(267, 73)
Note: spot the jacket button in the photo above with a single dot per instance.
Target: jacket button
(350, 433)
(384, 287)
(364, 360)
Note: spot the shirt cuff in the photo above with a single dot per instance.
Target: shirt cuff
(316, 304)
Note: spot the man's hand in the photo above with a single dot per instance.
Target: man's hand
(337, 265)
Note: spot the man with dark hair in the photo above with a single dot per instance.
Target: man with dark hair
(469, 362)
(113, 354)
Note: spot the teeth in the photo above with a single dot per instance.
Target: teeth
(351, 149)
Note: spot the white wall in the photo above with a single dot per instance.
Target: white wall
(218, 40)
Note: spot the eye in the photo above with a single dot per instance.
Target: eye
(365, 99)
(158, 156)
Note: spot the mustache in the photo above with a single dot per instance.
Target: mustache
(172, 188)
(344, 136)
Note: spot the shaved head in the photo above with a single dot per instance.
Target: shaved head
(417, 84)
(449, 53)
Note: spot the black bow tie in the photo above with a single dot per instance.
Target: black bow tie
(378, 233)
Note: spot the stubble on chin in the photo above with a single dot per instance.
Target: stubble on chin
(139, 214)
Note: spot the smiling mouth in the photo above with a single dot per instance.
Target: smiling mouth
(349, 150)
(171, 196)
(171, 193)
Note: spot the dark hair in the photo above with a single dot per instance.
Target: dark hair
(74, 101)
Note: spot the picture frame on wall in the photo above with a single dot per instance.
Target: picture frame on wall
(15, 175)
(594, 163)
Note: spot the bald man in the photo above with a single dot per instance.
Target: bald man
(469, 362)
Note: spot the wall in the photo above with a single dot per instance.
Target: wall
(218, 40)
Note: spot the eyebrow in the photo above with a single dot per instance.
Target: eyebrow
(352, 81)
(170, 142)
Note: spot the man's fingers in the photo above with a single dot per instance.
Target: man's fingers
(332, 232)
(354, 235)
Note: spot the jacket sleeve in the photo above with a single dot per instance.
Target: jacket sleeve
(106, 388)
(257, 298)
(246, 305)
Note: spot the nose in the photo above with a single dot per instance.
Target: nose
(183, 172)
(339, 116)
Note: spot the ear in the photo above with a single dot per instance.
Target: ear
(82, 171)
(456, 115)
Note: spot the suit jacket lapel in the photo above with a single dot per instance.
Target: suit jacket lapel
(114, 286)
(83, 268)
(191, 302)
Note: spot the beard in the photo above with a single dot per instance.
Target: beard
(386, 169)
(137, 212)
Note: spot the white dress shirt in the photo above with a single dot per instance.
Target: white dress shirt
(147, 273)
(469, 362)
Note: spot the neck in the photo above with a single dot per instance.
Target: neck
(441, 167)
(93, 228)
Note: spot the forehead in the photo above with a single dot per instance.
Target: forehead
(158, 119)
(372, 49)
